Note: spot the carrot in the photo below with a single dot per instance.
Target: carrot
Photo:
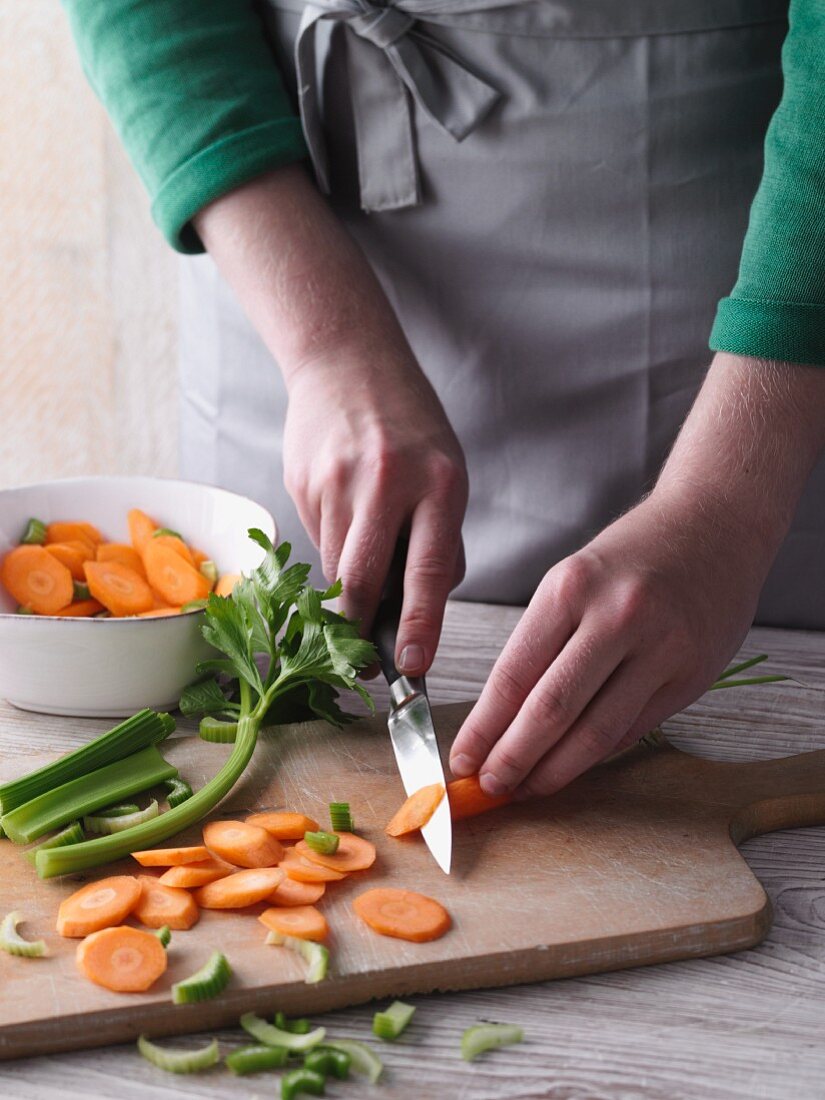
(171, 576)
(304, 922)
(123, 959)
(354, 854)
(189, 875)
(402, 914)
(416, 811)
(36, 579)
(72, 555)
(242, 844)
(171, 857)
(98, 905)
(301, 870)
(117, 587)
(73, 530)
(159, 612)
(141, 528)
(80, 609)
(467, 799)
(122, 552)
(290, 892)
(239, 890)
(226, 583)
(176, 544)
(284, 826)
(159, 905)
(198, 557)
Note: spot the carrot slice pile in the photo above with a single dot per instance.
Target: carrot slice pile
(80, 609)
(159, 905)
(123, 959)
(171, 857)
(242, 844)
(123, 553)
(240, 889)
(174, 578)
(141, 528)
(304, 922)
(176, 544)
(416, 811)
(467, 799)
(402, 914)
(73, 531)
(36, 579)
(302, 870)
(72, 555)
(98, 905)
(117, 587)
(284, 826)
(190, 875)
(290, 892)
(354, 854)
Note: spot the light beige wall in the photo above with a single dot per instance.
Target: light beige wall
(87, 286)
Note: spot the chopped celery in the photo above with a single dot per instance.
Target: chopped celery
(166, 531)
(105, 825)
(255, 1059)
(213, 729)
(297, 1027)
(272, 1036)
(481, 1037)
(22, 610)
(210, 571)
(315, 954)
(164, 934)
(80, 591)
(121, 810)
(147, 727)
(72, 834)
(341, 818)
(35, 533)
(175, 1060)
(328, 1062)
(13, 943)
(178, 790)
(390, 1023)
(194, 605)
(302, 1080)
(362, 1058)
(324, 843)
(85, 795)
(208, 982)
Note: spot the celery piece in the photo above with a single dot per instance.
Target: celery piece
(302, 1080)
(106, 824)
(80, 591)
(35, 533)
(164, 934)
(3, 833)
(85, 795)
(14, 944)
(315, 954)
(177, 791)
(481, 1037)
(147, 727)
(194, 605)
(255, 1059)
(272, 1036)
(121, 810)
(329, 1063)
(341, 818)
(390, 1023)
(22, 610)
(213, 729)
(72, 834)
(166, 531)
(297, 1027)
(362, 1058)
(175, 1060)
(324, 843)
(208, 982)
(209, 570)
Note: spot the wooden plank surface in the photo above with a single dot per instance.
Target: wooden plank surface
(744, 1025)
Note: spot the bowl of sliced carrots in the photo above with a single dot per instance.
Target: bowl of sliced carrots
(102, 586)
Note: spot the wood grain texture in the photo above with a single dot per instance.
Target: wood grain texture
(745, 1025)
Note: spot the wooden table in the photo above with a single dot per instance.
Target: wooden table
(748, 1025)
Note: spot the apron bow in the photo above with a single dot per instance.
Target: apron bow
(391, 64)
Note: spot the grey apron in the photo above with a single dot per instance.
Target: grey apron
(556, 194)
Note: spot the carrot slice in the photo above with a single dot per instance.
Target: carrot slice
(80, 609)
(117, 587)
(301, 870)
(467, 799)
(171, 576)
(354, 854)
(304, 922)
(284, 826)
(226, 583)
(189, 875)
(73, 530)
(141, 528)
(402, 914)
(72, 555)
(176, 544)
(417, 810)
(198, 556)
(171, 857)
(242, 844)
(159, 612)
(290, 892)
(123, 959)
(98, 905)
(36, 579)
(124, 553)
(241, 889)
(159, 905)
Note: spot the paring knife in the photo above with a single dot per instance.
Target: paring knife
(410, 720)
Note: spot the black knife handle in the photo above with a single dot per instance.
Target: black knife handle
(388, 613)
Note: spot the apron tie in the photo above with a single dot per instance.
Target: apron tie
(390, 65)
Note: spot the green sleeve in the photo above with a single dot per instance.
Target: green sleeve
(777, 308)
(193, 90)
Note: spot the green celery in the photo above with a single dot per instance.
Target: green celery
(177, 1060)
(35, 533)
(303, 1080)
(390, 1023)
(481, 1037)
(72, 834)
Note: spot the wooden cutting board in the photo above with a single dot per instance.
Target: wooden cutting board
(634, 863)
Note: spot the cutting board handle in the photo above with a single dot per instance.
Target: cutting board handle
(768, 795)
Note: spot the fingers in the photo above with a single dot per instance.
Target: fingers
(365, 560)
(336, 519)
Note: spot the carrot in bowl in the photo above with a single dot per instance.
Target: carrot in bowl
(354, 853)
(172, 576)
(402, 914)
(98, 905)
(226, 584)
(416, 811)
(242, 844)
(305, 922)
(122, 959)
(141, 528)
(72, 555)
(80, 609)
(176, 543)
(159, 905)
(73, 530)
(118, 588)
(36, 579)
(240, 889)
(124, 553)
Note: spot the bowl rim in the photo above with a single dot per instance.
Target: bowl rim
(126, 619)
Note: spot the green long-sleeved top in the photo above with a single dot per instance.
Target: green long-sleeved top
(194, 92)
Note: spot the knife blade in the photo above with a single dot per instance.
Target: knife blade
(410, 720)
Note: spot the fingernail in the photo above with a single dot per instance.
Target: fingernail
(492, 785)
(411, 659)
(461, 765)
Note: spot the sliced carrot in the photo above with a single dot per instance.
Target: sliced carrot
(141, 528)
(290, 892)
(416, 811)
(226, 584)
(241, 889)
(301, 870)
(37, 580)
(467, 799)
(159, 905)
(171, 857)
(198, 557)
(242, 844)
(354, 854)
(117, 587)
(304, 922)
(72, 555)
(80, 609)
(122, 552)
(190, 875)
(284, 826)
(171, 576)
(176, 544)
(402, 914)
(73, 530)
(98, 905)
(123, 959)
(159, 612)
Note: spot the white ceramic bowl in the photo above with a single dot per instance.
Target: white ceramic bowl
(113, 667)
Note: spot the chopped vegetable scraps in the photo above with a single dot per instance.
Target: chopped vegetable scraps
(403, 914)
(13, 943)
(481, 1037)
(178, 1060)
(208, 982)
(122, 959)
(390, 1023)
(313, 953)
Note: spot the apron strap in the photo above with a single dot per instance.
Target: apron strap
(391, 65)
